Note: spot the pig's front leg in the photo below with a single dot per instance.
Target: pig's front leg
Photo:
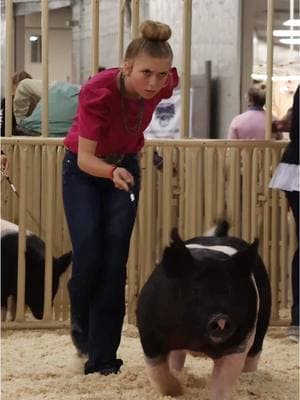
(225, 374)
(160, 376)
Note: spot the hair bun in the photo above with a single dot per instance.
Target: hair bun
(153, 30)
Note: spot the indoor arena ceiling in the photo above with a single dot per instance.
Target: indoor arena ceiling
(281, 14)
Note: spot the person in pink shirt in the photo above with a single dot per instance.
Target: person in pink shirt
(251, 124)
(101, 183)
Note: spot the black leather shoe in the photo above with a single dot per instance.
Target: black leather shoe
(112, 367)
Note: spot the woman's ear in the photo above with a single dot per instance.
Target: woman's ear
(127, 68)
(169, 77)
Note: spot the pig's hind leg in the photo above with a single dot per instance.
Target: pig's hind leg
(251, 363)
(176, 359)
(225, 374)
(159, 373)
(227, 370)
(254, 353)
(263, 318)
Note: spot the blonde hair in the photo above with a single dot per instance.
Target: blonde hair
(153, 41)
(257, 94)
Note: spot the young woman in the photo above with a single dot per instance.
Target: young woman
(101, 182)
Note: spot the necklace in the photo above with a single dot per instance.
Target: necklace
(136, 126)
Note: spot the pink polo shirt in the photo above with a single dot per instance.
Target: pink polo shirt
(99, 115)
(251, 124)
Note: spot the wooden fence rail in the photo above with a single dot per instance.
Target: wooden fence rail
(201, 181)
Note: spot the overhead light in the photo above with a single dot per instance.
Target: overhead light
(286, 33)
(33, 38)
(290, 41)
(263, 77)
(292, 22)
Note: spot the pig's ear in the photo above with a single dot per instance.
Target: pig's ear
(62, 263)
(245, 260)
(177, 260)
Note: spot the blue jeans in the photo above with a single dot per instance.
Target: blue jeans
(100, 220)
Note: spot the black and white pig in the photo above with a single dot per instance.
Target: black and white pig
(209, 296)
(35, 270)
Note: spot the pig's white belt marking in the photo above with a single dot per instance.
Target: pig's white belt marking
(9, 227)
(224, 249)
(250, 338)
(257, 293)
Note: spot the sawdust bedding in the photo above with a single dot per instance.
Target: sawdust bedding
(40, 364)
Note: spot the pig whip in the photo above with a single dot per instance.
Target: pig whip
(13, 188)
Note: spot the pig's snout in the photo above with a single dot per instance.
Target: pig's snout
(219, 328)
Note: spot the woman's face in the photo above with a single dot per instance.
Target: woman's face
(146, 75)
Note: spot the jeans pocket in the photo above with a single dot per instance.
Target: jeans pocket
(69, 166)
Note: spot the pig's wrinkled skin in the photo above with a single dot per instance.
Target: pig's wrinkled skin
(209, 296)
(35, 267)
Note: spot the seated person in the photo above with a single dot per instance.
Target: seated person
(16, 79)
(62, 105)
(251, 123)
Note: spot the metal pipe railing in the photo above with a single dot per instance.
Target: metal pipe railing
(95, 37)
(45, 66)
(121, 30)
(9, 33)
(135, 7)
(20, 311)
(186, 69)
(270, 23)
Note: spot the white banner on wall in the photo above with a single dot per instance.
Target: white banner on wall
(165, 122)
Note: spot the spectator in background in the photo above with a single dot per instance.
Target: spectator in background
(16, 79)
(27, 95)
(62, 106)
(287, 177)
(251, 123)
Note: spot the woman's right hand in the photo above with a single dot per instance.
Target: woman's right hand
(95, 166)
(122, 179)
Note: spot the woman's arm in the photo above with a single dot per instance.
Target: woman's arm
(88, 162)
